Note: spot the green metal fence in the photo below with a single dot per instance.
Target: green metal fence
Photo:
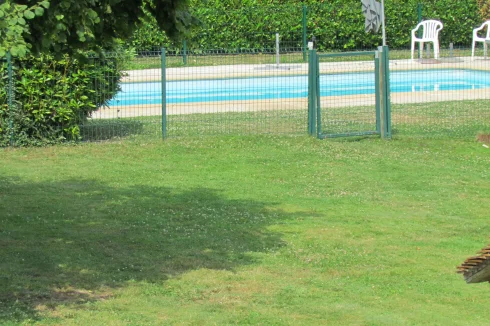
(444, 97)
(339, 109)
(257, 77)
(345, 109)
(238, 93)
(140, 115)
(44, 100)
(6, 101)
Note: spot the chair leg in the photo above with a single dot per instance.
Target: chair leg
(473, 50)
(485, 49)
(436, 49)
(421, 50)
(411, 50)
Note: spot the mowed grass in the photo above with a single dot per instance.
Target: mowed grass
(253, 230)
(422, 120)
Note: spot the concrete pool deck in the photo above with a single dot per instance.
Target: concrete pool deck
(237, 71)
(254, 70)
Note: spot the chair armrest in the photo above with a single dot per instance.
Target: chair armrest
(476, 30)
(416, 29)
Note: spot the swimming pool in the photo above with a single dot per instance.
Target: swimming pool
(284, 87)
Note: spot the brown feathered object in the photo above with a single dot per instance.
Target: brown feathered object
(483, 138)
(476, 269)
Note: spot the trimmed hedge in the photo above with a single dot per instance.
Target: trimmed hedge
(53, 97)
(336, 24)
(484, 6)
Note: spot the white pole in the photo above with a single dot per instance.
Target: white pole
(383, 21)
(277, 50)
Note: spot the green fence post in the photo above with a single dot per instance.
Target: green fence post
(164, 94)
(318, 112)
(10, 96)
(382, 98)
(312, 89)
(184, 53)
(305, 41)
(419, 19)
(377, 91)
(384, 88)
(386, 70)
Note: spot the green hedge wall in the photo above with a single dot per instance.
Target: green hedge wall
(53, 97)
(337, 24)
(484, 6)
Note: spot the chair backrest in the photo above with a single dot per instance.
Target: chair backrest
(431, 28)
(487, 25)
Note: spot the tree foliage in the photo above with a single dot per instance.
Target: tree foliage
(67, 26)
(14, 26)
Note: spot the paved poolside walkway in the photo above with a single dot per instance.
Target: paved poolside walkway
(254, 70)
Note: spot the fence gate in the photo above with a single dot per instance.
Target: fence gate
(349, 94)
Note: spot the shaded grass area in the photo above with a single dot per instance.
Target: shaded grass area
(427, 120)
(250, 230)
(106, 129)
(95, 238)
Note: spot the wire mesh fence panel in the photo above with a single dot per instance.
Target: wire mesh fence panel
(347, 94)
(128, 96)
(4, 106)
(265, 55)
(290, 51)
(236, 93)
(448, 96)
(246, 91)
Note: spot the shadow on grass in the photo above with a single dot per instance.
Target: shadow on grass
(106, 129)
(75, 241)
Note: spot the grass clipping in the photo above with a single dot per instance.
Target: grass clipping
(476, 269)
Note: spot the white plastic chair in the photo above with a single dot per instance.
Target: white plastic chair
(430, 34)
(484, 39)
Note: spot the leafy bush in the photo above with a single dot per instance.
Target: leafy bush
(336, 24)
(52, 97)
(484, 7)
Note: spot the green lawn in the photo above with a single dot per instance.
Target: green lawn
(254, 230)
(422, 120)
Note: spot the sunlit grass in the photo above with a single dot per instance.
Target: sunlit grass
(262, 230)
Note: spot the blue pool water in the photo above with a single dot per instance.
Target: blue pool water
(261, 88)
